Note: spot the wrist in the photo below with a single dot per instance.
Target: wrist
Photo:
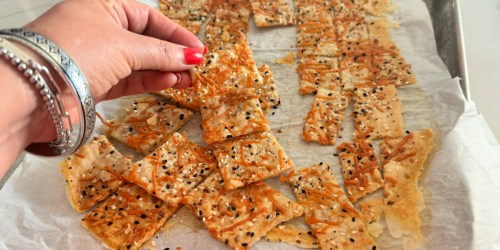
(25, 119)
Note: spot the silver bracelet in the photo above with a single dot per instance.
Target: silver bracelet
(69, 136)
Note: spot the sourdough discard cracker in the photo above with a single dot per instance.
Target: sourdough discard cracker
(391, 68)
(360, 168)
(377, 113)
(240, 217)
(183, 97)
(326, 116)
(370, 211)
(232, 115)
(292, 235)
(268, 91)
(356, 71)
(318, 72)
(172, 170)
(332, 218)
(317, 39)
(314, 11)
(403, 160)
(128, 218)
(147, 124)
(189, 14)
(93, 173)
(250, 158)
(226, 71)
(269, 13)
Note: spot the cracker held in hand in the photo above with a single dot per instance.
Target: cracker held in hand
(227, 71)
(182, 97)
(240, 217)
(250, 158)
(332, 218)
(377, 113)
(360, 168)
(269, 13)
(147, 124)
(172, 170)
(128, 218)
(404, 160)
(325, 117)
(232, 115)
(93, 173)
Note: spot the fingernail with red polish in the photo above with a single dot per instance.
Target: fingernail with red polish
(190, 85)
(193, 55)
(205, 50)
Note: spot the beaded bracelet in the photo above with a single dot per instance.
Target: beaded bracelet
(69, 137)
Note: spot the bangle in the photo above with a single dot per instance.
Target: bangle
(69, 137)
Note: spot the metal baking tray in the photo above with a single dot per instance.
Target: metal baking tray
(448, 32)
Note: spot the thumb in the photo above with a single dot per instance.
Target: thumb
(148, 53)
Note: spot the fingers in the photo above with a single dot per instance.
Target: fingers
(148, 81)
(147, 53)
(143, 19)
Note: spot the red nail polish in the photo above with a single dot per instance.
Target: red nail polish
(205, 50)
(193, 55)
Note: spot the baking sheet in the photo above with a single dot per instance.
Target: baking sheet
(460, 189)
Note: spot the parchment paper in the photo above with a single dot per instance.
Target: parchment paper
(460, 186)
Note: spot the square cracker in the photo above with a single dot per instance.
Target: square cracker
(269, 13)
(242, 7)
(391, 68)
(268, 91)
(325, 117)
(316, 11)
(378, 31)
(183, 97)
(147, 124)
(172, 170)
(128, 218)
(226, 71)
(360, 168)
(240, 217)
(189, 14)
(355, 70)
(348, 9)
(223, 28)
(317, 39)
(377, 113)
(403, 160)
(250, 158)
(93, 173)
(318, 72)
(353, 31)
(229, 116)
(332, 218)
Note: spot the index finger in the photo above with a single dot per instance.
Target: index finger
(145, 20)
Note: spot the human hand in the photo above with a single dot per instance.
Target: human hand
(122, 46)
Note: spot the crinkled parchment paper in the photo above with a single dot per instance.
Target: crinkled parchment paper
(461, 190)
